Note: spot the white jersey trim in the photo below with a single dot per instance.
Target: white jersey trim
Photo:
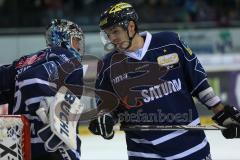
(33, 81)
(166, 137)
(212, 102)
(176, 156)
(31, 117)
(23, 83)
(18, 96)
(33, 100)
(204, 92)
(143, 155)
(189, 151)
(36, 140)
(144, 50)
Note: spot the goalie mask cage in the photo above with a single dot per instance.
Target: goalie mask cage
(14, 138)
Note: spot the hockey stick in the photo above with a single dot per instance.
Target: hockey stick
(167, 127)
(95, 113)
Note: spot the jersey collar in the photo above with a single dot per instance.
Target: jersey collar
(140, 53)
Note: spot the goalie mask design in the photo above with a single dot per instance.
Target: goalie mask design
(61, 33)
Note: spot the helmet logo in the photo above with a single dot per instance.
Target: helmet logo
(118, 7)
(103, 22)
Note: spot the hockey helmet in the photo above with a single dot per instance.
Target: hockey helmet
(117, 14)
(61, 32)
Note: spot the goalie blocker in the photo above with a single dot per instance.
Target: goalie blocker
(62, 114)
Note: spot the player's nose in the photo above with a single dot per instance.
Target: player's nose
(112, 38)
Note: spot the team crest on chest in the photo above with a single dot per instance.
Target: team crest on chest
(168, 59)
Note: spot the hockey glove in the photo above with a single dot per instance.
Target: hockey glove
(102, 126)
(229, 117)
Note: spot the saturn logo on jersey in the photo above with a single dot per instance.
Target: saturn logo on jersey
(168, 59)
(161, 90)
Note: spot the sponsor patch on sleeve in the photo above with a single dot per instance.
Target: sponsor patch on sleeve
(168, 59)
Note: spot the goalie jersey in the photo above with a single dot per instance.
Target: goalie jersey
(155, 85)
(34, 79)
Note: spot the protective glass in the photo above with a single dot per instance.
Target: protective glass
(115, 38)
(108, 45)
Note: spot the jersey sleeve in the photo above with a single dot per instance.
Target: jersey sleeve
(196, 77)
(7, 83)
(7, 77)
(103, 77)
(104, 84)
(76, 77)
(6, 97)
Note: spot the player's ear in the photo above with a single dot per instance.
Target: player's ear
(131, 27)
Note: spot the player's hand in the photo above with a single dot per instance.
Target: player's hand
(102, 126)
(229, 117)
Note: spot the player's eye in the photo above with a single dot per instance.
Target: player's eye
(115, 31)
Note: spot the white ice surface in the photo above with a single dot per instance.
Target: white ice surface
(96, 148)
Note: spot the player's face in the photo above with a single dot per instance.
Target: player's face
(76, 44)
(118, 36)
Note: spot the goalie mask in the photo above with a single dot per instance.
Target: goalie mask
(64, 33)
(119, 14)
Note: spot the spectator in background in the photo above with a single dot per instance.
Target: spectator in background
(52, 9)
(191, 7)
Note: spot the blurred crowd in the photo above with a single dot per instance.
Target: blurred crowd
(37, 13)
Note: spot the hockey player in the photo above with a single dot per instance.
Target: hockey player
(31, 78)
(155, 77)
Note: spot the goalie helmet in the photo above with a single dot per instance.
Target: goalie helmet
(61, 32)
(119, 13)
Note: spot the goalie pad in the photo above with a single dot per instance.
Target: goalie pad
(65, 112)
(51, 141)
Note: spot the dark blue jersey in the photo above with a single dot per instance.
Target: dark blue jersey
(7, 81)
(155, 85)
(35, 78)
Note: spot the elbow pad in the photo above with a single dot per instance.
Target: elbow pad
(208, 98)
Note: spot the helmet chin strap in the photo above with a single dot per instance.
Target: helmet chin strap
(130, 40)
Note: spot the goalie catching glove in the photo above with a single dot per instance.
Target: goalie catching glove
(229, 117)
(103, 126)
